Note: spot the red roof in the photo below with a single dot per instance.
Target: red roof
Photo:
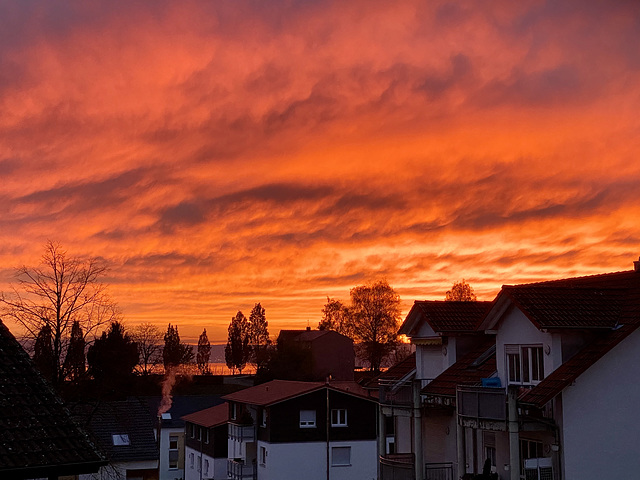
(479, 363)
(277, 391)
(209, 417)
(444, 316)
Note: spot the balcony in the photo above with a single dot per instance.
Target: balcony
(241, 433)
(397, 466)
(237, 470)
(395, 393)
(482, 407)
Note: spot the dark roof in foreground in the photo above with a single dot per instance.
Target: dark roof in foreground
(277, 391)
(129, 417)
(469, 370)
(38, 436)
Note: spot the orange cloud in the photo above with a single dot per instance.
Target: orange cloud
(221, 154)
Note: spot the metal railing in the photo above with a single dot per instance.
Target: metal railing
(240, 471)
(439, 471)
(241, 433)
(397, 466)
(479, 405)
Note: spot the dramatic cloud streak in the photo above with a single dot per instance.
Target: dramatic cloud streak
(218, 154)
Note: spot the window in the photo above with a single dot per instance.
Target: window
(529, 449)
(206, 435)
(525, 364)
(234, 411)
(263, 456)
(122, 439)
(340, 456)
(192, 430)
(173, 452)
(489, 442)
(199, 465)
(339, 417)
(264, 417)
(206, 467)
(191, 456)
(199, 433)
(307, 418)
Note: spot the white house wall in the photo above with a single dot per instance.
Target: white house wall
(292, 461)
(600, 416)
(517, 329)
(165, 472)
(429, 361)
(217, 466)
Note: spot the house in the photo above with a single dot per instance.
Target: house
(125, 433)
(331, 353)
(39, 437)
(172, 430)
(206, 443)
(313, 430)
(564, 404)
(442, 333)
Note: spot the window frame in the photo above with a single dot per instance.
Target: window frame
(308, 423)
(339, 417)
(346, 448)
(176, 439)
(262, 456)
(524, 364)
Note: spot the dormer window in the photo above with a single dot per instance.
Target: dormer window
(525, 364)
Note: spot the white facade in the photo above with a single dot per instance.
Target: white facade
(350, 460)
(167, 471)
(202, 466)
(601, 419)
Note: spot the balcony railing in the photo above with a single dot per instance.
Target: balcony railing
(237, 470)
(395, 393)
(397, 466)
(439, 471)
(242, 433)
(482, 407)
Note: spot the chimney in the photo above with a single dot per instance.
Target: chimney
(309, 328)
(636, 265)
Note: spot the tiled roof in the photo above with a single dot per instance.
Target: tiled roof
(560, 306)
(469, 370)
(38, 438)
(277, 391)
(130, 417)
(399, 371)
(444, 316)
(209, 417)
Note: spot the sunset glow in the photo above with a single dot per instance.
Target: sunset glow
(219, 154)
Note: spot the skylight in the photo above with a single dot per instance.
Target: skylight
(166, 416)
(120, 439)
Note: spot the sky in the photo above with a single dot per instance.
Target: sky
(218, 154)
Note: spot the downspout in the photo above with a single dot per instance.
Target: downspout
(417, 431)
(381, 430)
(460, 442)
(514, 436)
(327, 427)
